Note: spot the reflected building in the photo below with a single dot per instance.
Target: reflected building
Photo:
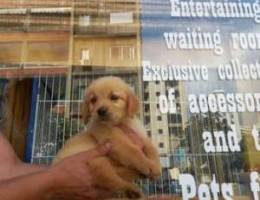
(227, 166)
(66, 44)
(165, 130)
(55, 48)
(35, 35)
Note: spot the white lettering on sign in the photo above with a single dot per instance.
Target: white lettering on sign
(168, 104)
(216, 9)
(194, 39)
(186, 72)
(219, 102)
(254, 185)
(234, 70)
(245, 41)
(204, 191)
(217, 142)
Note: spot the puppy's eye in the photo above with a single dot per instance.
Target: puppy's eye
(114, 97)
(93, 99)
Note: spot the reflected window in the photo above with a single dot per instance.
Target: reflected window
(84, 20)
(121, 17)
(161, 144)
(122, 53)
(147, 120)
(85, 56)
(175, 118)
(147, 108)
(146, 96)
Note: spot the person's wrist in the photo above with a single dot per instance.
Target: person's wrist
(54, 180)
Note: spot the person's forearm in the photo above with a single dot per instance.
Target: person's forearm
(34, 186)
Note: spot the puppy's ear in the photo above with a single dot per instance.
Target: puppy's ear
(132, 104)
(85, 112)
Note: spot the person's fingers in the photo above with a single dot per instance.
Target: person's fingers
(82, 193)
(97, 193)
(104, 194)
(101, 150)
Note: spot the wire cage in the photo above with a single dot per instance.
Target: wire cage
(53, 126)
(80, 36)
(57, 118)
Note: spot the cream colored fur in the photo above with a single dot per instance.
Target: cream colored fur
(127, 161)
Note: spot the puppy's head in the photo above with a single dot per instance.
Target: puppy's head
(109, 100)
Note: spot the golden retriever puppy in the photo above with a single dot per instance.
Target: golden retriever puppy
(109, 110)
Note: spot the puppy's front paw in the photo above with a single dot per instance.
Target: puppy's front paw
(150, 170)
(155, 171)
(144, 170)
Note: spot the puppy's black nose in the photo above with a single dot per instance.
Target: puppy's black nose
(102, 111)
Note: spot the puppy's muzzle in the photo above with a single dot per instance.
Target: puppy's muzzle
(102, 112)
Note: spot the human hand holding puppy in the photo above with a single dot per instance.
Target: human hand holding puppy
(69, 179)
(73, 179)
